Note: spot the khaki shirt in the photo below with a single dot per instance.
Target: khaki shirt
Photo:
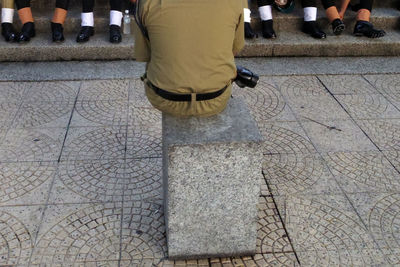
(191, 50)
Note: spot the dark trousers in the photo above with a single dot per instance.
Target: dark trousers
(364, 4)
(27, 3)
(88, 5)
(304, 3)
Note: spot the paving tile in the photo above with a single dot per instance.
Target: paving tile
(324, 224)
(288, 174)
(74, 234)
(84, 143)
(368, 106)
(384, 133)
(317, 108)
(258, 260)
(394, 158)
(8, 111)
(392, 255)
(265, 102)
(18, 230)
(184, 263)
(26, 183)
(100, 113)
(300, 86)
(59, 91)
(137, 94)
(347, 84)
(104, 90)
(363, 172)
(143, 142)
(381, 213)
(13, 91)
(143, 234)
(335, 136)
(32, 144)
(144, 118)
(388, 84)
(43, 115)
(285, 138)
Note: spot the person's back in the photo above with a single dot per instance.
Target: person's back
(191, 51)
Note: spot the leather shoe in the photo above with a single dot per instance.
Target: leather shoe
(268, 29)
(84, 34)
(57, 32)
(248, 31)
(311, 28)
(27, 32)
(365, 28)
(115, 34)
(338, 26)
(8, 32)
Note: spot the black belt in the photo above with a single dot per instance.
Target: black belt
(185, 97)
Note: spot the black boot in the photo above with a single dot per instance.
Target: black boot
(84, 34)
(115, 34)
(311, 28)
(27, 32)
(8, 32)
(268, 29)
(338, 26)
(248, 31)
(57, 32)
(365, 28)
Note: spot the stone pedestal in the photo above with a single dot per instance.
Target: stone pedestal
(212, 174)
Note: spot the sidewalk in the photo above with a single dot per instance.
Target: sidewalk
(80, 173)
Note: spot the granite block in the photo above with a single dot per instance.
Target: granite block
(212, 174)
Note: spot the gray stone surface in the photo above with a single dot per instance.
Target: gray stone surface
(212, 173)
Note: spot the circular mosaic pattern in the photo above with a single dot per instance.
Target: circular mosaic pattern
(13, 91)
(103, 143)
(302, 86)
(264, 101)
(15, 241)
(104, 112)
(37, 114)
(145, 118)
(347, 84)
(278, 140)
(365, 106)
(390, 85)
(51, 92)
(371, 169)
(104, 90)
(384, 133)
(8, 110)
(291, 173)
(137, 94)
(20, 179)
(28, 145)
(144, 143)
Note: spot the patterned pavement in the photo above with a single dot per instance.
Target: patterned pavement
(80, 173)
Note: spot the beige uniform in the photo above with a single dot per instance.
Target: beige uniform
(191, 51)
(7, 4)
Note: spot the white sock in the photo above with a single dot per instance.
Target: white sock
(247, 13)
(115, 18)
(265, 12)
(310, 14)
(87, 19)
(7, 15)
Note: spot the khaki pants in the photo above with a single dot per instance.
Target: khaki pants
(7, 4)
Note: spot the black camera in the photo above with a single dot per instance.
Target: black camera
(246, 78)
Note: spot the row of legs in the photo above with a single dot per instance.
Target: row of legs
(363, 26)
(60, 14)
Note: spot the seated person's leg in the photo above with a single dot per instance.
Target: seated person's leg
(248, 31)
(87, 24)
(363, 26)
(333, 16)
(265, 10)
(7, 15)
(115, 21)
(310, 25)
(25, 15)
(60, 14)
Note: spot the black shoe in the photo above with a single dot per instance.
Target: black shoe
(338, 26)
(84, 34)
(311, 28)
(268, 29)
(27, 32)
(364, 28)
(8, 32)
(115, 34)
(57, 32)
(248, 31)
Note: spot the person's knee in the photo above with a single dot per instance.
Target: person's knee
(23, 4)
(63, 4)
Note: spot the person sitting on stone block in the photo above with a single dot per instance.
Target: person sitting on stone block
(310, 25)
(7, 18)
(87, 25)
(363, 26)
(28, 26)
